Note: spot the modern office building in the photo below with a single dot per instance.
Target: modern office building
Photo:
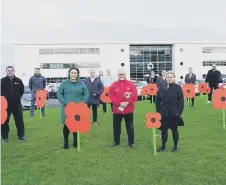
(138, 58)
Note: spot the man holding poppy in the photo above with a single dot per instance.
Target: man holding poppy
(123, 94)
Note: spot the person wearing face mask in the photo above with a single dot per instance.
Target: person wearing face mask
(170, 104)
(213, 79)
(73, 89)
(123, 94)
(95, 87)
(152, 79)
(36, 82)
(12, 88)
(190, 78)
(162, 79)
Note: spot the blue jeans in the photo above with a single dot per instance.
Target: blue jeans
(33, 106)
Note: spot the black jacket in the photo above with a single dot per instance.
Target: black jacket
(190, 80)
(12, 90)
(152, 80)
(170, 101)
(213, 77)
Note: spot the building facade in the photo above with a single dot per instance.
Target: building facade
(137, 59)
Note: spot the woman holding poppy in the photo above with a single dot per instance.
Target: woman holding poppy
(72, 89)
(170, 104)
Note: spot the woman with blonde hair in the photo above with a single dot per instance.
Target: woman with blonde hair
(170, 104)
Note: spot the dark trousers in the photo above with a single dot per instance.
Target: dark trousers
(192, 101)
(170, 122)
(152, 98)
(117, 119)
(66, 133)
(105, 107)
(17, 112)
(94, 109)
(212, 87)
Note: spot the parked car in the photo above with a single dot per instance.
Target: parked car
(26, 99)
(139, 86)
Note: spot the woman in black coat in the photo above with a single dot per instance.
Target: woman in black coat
(152, 79)
(170, 104)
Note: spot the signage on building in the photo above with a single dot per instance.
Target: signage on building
(150, 66)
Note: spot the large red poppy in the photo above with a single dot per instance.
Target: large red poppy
(40, 98)
(46, 93)
(4, 106)
(219, 99)
(202, 87)
(144, 91)
(105, 95)
(188, 90)
(152, 89)
(77, 117)
(153, 120)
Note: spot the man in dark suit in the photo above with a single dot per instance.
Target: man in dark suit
(213, 79)
(190, 78)
(95, 87)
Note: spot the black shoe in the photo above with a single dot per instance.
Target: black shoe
(174, 149)
(161, 149)
(132, 146)
(4, 141)
(114, 144)
(22, 139)
(65, 146)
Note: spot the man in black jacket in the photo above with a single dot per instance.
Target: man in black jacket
(213, 78)
(12, 88)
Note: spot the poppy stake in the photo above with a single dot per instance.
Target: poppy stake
(219, 101)
(153, 121)
(77, 119)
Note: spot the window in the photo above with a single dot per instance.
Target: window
(52, 51)
(217, 62)
(69, 65)
(214, 50)
(142, 55)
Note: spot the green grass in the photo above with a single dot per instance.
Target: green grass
(201, 158)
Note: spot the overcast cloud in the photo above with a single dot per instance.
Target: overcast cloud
(71, 21)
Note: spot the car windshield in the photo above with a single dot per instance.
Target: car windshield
(27, 90)
(139, 84)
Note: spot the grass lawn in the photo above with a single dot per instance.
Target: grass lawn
(200, 160)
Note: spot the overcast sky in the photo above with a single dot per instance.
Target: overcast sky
(71, 21)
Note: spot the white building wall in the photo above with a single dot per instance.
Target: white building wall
(27, 57)
(192, 56)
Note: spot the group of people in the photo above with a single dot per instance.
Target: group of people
(169, 100)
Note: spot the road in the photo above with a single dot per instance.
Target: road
(53, 103)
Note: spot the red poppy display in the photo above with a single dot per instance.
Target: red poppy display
(77, 117)
(4, 106)
(40, 98)
(188, 90)
(105, 95)
(219, 99)
(153, 120)
(152, 89)
(144, 91)
(202, 87)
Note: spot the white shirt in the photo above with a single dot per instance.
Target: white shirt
(92, 79)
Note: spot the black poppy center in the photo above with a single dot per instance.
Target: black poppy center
(188, 91)
(39, 98)
(223, 99)
(106, 94)
(152, 89)
(77, 117)
(153, 120)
